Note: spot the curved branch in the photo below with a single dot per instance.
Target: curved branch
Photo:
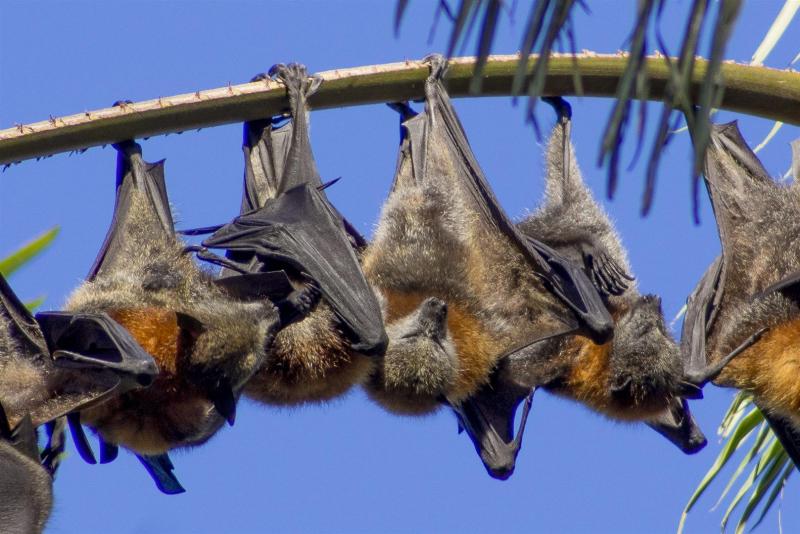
(769, 93)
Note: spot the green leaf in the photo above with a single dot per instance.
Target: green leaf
(775, 127)
(777, 462)
(759, 445)
(735, 412)
(34, 304)
(762, 464)
(776, 31)
(776, 490)
(738, 437)
(27, 252)
(485, 43)
(400, 10)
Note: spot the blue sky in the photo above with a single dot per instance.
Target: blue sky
(347, 466)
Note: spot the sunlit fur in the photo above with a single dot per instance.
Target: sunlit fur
(636, 375)
(420, 362)
(759, 221)
(26, 492)
(434, 240)
(150, 282)
(310, 361)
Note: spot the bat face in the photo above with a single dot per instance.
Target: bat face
(420, 363)
(742, 317)
(442, 235)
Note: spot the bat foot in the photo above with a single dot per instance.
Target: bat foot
(298, 304)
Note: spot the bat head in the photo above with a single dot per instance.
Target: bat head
(420, 363)
(678, 425)
(645, 360)
(421, 356)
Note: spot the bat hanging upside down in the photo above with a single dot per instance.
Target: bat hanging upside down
(207, 343)
(290, 235)
(748, 301)
(462, 286)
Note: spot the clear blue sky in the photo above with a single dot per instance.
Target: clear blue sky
(347, 466)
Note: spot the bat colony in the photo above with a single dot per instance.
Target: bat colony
(450, 305)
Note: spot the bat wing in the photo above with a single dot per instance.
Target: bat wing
(22, 437)
(488, 418)
(735, 180)
(134, 174)
(678, 425)
(300, 230)
(570, 280)
(20, 323)
(438, 141)
(701, 310)
(608, 276)
(488, 415)
(288, 221)
(160, 469)
(787, 434)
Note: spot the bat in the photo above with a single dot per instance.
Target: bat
(289, 233)
(442, 234)
(637, 376)
(26, 488)
(207, 343)
(744, 310)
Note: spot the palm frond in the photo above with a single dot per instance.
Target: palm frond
(549, 22)
(769, 464)
(27, 252)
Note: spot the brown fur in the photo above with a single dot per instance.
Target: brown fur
(310, 361)
(145, 286)
(156, 330)
(770, 370)
(26, 492)
(475, 346)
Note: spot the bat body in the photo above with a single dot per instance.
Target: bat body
(289, 230)
(747, 302)
(207, 344)
(443, 235)
(639, 374)
(26, 488)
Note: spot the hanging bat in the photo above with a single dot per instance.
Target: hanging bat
(747, 301)
(637, 376)
(26, 488)
(207, 343)
(442, 234)
(289, 231)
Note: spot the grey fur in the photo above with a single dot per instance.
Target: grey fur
(150, 270)
(755, 289)
(26, 492)
(420, 363)
(645, 372)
